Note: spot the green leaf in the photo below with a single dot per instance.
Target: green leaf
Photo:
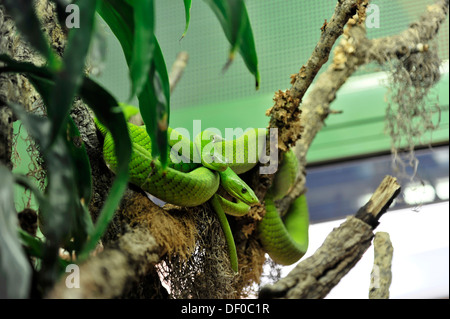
(69, 78)
(233, 17)
(59, 210)
(237, 24)
(109, 113)
(74, 144)
(35, 246)
(13, 66)
(144, 43)
(187, 10)
(247, 50)
(154, 98)
(82, 165)
(154, 105)
(15, 270)
(28, 24)
(119, 17)
(101, 101)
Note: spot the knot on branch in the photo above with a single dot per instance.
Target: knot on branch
(348, 44)
(285, 115)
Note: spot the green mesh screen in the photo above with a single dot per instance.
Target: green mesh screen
(285, 34)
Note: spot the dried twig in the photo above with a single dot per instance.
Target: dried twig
(381, 276)
(177, 70)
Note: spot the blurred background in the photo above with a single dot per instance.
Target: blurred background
(349, 157)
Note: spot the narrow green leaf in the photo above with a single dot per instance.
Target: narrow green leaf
(35, 245)
(59, 210)
(64, 216)
(154, 105)
(119, 17)
(187, 11)
(247, 49)
(15, 270)
(82, 165)
(107, 110)
(154, 98)
(74, 144)
(233, 17)
(23, 67)
(75, 153)
(69, 78)
(144, 43)
(28, 24)
(237, 23)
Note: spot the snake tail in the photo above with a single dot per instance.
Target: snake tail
(285, 242)
(227, 231)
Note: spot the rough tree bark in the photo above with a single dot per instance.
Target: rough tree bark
(13, 87)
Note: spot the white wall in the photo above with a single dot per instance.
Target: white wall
(420, 266)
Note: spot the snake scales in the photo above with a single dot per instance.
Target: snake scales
(188, 182)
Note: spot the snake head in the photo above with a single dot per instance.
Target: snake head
(237, 188)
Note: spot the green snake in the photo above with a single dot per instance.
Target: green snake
(195, 179)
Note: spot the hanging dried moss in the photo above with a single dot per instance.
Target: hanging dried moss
(206, 272)
(412, 113)
(195, 261)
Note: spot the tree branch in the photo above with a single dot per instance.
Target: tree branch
(13, 87)
(111, 272)
(315, 276)
(381, 275)
(285, 113)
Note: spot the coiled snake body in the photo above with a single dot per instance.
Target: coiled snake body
(186, 183)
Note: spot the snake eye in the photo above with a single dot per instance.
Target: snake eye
(244, 190)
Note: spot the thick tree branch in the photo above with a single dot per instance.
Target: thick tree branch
(13, 87)
(114, 270)
(315, 276)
